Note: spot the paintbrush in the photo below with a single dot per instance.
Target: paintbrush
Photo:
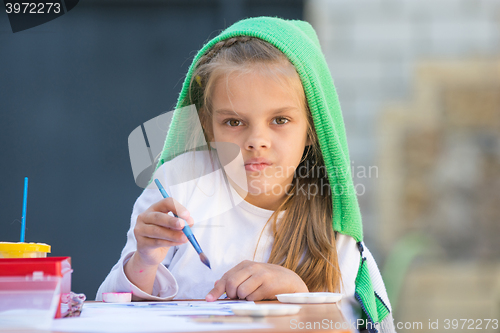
(187, 230)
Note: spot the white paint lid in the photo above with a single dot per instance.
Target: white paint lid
(117, 297)
(309, 298)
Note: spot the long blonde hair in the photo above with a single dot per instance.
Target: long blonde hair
(304, 240)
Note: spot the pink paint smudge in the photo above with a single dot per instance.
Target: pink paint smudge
(141, 271)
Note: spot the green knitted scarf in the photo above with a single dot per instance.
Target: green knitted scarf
(299, 42)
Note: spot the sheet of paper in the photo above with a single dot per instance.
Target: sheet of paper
(176, 308)
(152, 317)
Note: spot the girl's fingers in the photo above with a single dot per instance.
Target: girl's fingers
(234, 280)
(154, 231)
(231, 280)
(249, 287)
(164, 220)
(217, 291)
(219, 287)
(171, 205)
(156, 243)
(237, 285)
(259, 294)
(166, 205)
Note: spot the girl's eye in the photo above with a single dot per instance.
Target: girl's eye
(280, 121)
(233, 122)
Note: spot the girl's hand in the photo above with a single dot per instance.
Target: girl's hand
(156, 231)
(256, 281)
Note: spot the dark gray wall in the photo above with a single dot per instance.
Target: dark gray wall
(71, 91)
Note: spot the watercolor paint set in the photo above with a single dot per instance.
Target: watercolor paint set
(32, 284)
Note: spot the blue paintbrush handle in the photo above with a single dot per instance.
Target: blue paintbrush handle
(189, 234)
(25, 202)
(187, 230)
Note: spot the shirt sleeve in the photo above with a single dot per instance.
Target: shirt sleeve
(165, 286)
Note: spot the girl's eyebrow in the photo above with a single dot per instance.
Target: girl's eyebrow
(284, 108)
(225, 112)
(276, 111)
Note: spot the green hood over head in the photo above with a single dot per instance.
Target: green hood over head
(299, 42)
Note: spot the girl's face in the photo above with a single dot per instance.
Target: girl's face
(269, 124)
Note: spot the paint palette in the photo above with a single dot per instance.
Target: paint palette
(261, 310)
(309, 298)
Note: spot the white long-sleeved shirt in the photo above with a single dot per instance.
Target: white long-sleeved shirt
(228, 230)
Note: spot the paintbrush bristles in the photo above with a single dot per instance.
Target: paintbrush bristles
(204, 260)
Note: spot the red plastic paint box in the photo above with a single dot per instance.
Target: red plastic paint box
(51, 266)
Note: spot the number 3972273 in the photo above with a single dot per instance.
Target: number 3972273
(33, 7)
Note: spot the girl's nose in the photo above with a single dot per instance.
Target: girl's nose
(258, 138)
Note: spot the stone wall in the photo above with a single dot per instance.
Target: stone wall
(441, 152)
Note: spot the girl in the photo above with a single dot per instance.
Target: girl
(262, 85)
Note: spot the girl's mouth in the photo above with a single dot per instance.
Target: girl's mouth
(256, 166)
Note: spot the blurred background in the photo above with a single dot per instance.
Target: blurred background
(419, 85)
